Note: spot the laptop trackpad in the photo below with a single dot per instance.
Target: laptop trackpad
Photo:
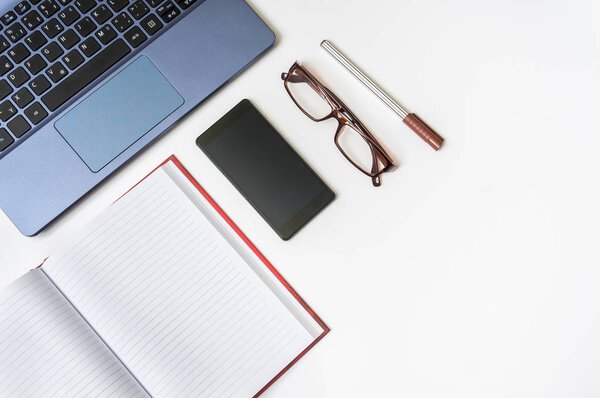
(119, 113)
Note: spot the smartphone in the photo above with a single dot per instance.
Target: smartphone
(265, 169)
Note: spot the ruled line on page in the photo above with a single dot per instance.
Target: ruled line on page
(226, 309)
(155, 370)
(136, 218)
(164, 322)
(139, 298)
(111, 273)
(72, 246)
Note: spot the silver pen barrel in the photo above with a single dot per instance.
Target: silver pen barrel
(364, 79)
(417, 125)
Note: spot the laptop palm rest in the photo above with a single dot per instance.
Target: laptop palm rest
(119, 113)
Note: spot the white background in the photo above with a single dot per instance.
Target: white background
(473, 271)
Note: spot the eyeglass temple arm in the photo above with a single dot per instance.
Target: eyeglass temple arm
(375, 179)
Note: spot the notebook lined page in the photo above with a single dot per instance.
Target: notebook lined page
(174, 301)
(48, 350)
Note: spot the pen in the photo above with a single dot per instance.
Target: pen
(410, 119)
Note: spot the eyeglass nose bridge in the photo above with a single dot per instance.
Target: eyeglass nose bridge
(339, 115)
(342, 115)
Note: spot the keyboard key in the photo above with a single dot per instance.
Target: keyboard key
(52, 28)
(36, 40)
(8, 18)
(32, 20)
(85, 26)
(154, 3)
(48, 8)
(135, 37)
(165, 8)
(7, 110)
(73, 59)
(4, 44)
(15, 32)
(168, 11)
(34, 2)
(64, 2)
(56, 72)
(22, 7)
(102, 14)
(151, 24)
(52, 51)
(36, 113)
(69, 39)
(18, 126)
(35, 64)
(5, 89)
(138, 9)
(117, 5)
(18, 53)
(89, 46)
(39, 85)
(122, 22)
(18, 77)
(168, 17)
(5, 139)
(69, 15)
(106, 34)
(22, 97)
(86, 74)
(185, 4)
(5, 65)
(85, 5)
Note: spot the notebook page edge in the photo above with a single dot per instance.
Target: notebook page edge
(271, 281)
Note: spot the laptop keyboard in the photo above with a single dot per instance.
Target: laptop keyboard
(51, 50)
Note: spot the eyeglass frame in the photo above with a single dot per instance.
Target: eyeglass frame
(344, 117)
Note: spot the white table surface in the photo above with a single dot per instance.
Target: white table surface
(473, 271)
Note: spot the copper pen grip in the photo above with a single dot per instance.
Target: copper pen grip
(424, 131)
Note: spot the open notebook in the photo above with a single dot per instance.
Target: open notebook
(163, 296)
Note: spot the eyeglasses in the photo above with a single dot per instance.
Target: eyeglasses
(353, 139)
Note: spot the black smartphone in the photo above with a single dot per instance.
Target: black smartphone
(265, 169)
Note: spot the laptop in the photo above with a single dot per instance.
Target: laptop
(87, 84)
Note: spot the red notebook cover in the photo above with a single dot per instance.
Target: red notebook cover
(262, 258)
